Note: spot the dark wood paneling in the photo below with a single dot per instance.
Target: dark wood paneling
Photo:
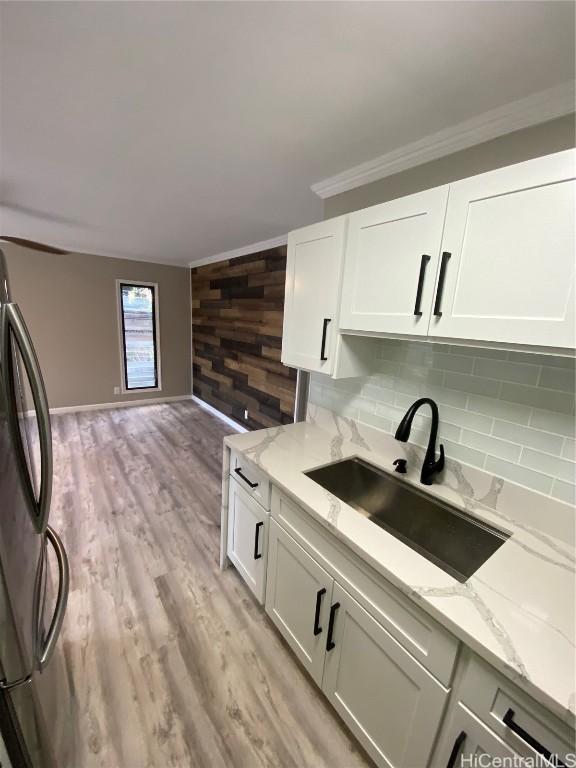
(237, 313)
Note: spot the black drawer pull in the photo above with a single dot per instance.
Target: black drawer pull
(329, 643)
(424, 261)
(317, 629)
(508, 720)
(238, 471)
(440, 288)
(323, 345)
(460, 739)
(257, 555)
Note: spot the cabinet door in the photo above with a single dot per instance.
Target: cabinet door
(391, 260)
(384, 695)
(313, 278)
(466, 739)
(298, 599)
(509, 276)
(248, 538)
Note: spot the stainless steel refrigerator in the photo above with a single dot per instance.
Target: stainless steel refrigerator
(34, 574)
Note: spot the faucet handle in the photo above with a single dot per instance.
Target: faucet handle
(400, 465)
(439, 464)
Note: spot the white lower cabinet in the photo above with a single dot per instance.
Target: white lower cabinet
(386, 667)
(298, 599)
(248, 538)
(467, 739)
(385, 696)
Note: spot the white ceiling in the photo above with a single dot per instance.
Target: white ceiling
(171, 131)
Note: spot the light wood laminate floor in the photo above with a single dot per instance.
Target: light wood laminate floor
(170, 662)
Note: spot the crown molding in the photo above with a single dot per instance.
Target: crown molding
(263, 245)
(523, 113)
(73, 251)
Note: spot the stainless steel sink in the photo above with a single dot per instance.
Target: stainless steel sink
(448, 537)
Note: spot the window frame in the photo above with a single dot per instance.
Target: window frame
(124, 389)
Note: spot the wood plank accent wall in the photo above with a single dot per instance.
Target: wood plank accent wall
(237, 313)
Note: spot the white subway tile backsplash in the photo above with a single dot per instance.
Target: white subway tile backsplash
(558, 378)
(569, 450)
(472, 384)
(553, 422)
(389, 367)
(535, 358)
(504, 370)
(463, 349)
(445, 396)
(379, 422)
(467, 419)
(405, 383)
(510, 413)
(518, 474)
(391, 412)
(499, 409)
(491, 445)
(464, 453)
(534, 438)
(564, 491)
(537, 397)
(422, 374)
(455, 363)
(549, 465)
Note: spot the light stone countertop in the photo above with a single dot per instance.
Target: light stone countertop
(517, 611)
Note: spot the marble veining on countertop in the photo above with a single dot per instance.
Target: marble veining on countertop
(517, 610)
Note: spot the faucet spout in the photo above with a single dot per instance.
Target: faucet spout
(431, 465)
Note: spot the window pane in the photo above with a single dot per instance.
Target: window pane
(138, 307)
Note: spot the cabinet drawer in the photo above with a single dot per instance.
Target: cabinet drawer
(491, 696)
(251, 478)
(425, 639)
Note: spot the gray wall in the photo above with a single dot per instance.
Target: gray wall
(543, 139)
(69, 302)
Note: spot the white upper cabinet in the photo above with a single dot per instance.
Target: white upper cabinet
(313, 278)
(510, 256)
(391, 263)
(486, 259)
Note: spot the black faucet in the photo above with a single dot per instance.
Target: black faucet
(431, 466)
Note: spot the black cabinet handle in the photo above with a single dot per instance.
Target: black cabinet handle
(323, 345)
(440, 288)
(329, 643)
(424, 261)
(257, 555)
(317, 629)
(508, 720)
(460, 739)
(238, 471)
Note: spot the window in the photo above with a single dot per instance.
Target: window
(138, 314)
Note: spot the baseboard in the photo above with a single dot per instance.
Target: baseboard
(117, 404)
(215, 412)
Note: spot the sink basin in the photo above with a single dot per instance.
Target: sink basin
(454, 541)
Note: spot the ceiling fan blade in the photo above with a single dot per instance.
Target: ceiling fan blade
(33, 245)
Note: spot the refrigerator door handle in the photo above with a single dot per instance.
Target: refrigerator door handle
(48, 643)
(13, 321)
(8, 686)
